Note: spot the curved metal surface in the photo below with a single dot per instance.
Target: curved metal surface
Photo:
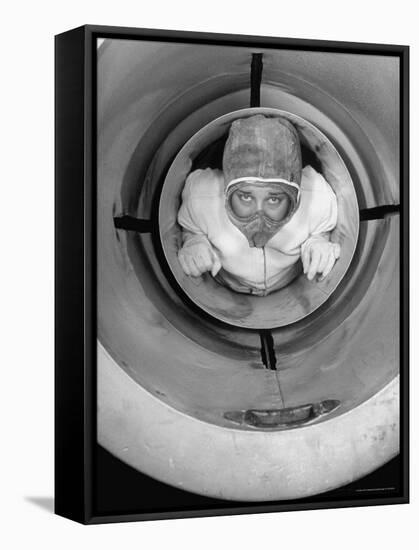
(164, 368)
(242, 465)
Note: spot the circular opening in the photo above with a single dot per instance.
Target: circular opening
(300, 297)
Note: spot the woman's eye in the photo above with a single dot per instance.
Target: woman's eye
(246, 198)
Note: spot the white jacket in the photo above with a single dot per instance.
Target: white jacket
(203, 218)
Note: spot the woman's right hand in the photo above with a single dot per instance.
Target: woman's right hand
(197, 258)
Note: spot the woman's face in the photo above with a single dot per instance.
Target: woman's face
(251, 198)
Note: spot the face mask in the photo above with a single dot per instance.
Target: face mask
(259, 228)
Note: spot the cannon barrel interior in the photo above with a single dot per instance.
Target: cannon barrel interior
(211, 372)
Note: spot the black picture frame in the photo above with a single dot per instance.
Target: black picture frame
(77, 454)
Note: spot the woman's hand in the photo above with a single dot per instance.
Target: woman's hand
(197, 258)
(319, 256)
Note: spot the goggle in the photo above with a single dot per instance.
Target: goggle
(255, 179)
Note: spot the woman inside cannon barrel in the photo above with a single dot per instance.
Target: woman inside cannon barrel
(250, 224)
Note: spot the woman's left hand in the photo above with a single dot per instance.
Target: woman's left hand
(319, 256)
